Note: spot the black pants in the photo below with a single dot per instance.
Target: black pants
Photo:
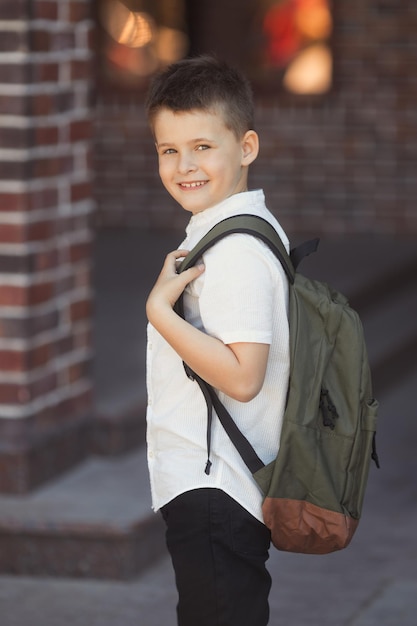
(218, 551)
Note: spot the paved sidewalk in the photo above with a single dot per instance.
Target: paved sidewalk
(374, 581)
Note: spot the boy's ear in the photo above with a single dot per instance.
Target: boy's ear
(250, 147)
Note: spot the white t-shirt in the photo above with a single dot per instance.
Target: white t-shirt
(242, 296)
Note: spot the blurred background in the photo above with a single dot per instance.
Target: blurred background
(85, 224)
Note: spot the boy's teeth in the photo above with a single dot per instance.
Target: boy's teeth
(192, 184)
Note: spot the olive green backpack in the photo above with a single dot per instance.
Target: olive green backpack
(314, 489)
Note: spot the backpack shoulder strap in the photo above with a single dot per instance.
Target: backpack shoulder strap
(261, 228)
(303, 250)
(247, 224)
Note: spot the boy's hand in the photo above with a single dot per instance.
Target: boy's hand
(170, 285)
(237, 369)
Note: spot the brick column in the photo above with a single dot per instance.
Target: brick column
(45, 238)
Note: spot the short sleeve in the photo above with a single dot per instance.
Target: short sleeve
(237, 293)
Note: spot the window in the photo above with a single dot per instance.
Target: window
(293, 45)
(281, 44)
(137, 37)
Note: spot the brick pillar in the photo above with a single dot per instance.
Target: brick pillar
(45, 238)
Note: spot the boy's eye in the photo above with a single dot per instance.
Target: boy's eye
(203, 147)
(169, 151)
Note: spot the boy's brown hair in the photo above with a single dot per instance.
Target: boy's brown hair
(203, 83)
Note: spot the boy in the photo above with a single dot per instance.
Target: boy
(235, 337)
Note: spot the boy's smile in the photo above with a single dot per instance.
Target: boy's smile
(201, 161)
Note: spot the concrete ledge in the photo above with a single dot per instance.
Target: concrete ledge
(94, 522)
(118, 433)
(80, 550)
(26, 465)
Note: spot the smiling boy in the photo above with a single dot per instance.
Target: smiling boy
(234, 336)
(199, 163)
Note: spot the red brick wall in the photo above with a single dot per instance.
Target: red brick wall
(45, 233)
(345, 162)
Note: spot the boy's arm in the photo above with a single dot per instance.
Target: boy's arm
(237, 369)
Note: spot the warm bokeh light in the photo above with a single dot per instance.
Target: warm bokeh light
(137, 31)
(283, 38)
(291, 40)
(171, 45)
(127, 27)
(310, 72)
(133, 62)
(137, 45)
(313, 19)
(296, 33)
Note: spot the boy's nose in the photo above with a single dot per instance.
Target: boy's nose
(186, 164)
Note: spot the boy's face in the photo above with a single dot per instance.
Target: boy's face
(201, 161)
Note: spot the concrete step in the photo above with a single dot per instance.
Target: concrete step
(93, 522)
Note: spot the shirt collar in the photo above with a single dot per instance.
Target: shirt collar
(244, 202)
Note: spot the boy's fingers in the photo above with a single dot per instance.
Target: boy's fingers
(173, 257)
(177, 254)
(192, 273)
